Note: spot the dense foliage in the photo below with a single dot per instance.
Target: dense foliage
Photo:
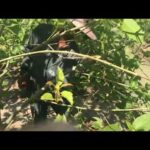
(103, 97)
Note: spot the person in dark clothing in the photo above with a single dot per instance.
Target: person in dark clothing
(37, 69)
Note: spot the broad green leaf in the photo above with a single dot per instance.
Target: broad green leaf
(98, 124)
(142, 123)
(68, 95)
(60, 118)
(112, 127)
(131, 27)
(47, 97)
(60, 76)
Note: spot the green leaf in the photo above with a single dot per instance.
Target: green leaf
(47, 97)
(60, 118)
(113, 127)
(134, 84)
(60, 76)
(131, 27)
(128, 105)
(128, 52)
(142, 123)
(129, 125)
(17, 49)
(147, 86)
(5, 83)
(98, 124)
(68, 95)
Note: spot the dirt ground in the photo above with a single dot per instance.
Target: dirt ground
(14, 103)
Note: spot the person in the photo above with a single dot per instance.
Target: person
(36, 70)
